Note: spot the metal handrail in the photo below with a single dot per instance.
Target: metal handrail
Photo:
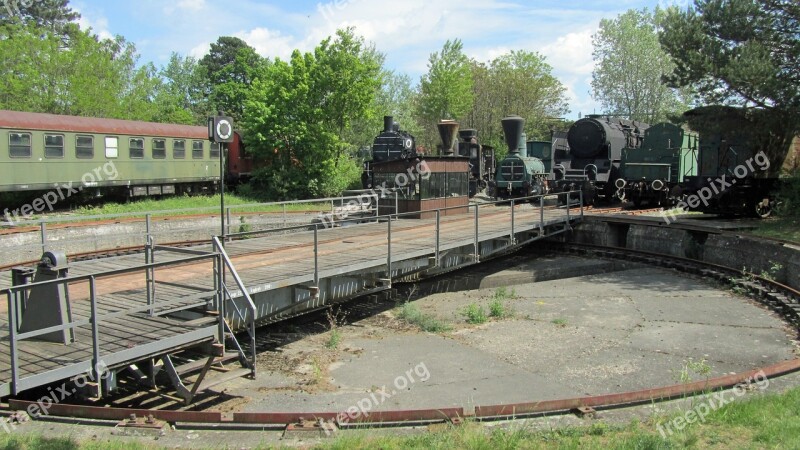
(226, 262)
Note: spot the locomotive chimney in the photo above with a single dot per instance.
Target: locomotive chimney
(448, 130)
(512, 129)
(468, 134)
(388, 124)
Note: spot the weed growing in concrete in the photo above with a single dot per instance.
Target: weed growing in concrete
(772, 273)
(335, 320)
(691, 367)
(244, 227)
(560, 322)
(475, 314)
(426, 322)
(499, 310)
(502, 293)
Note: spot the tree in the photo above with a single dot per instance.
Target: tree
(628, 78)
(53, 15)
(517, 83)
(229, 70)
(742, 53)
(92, 77)
(180, 95)
(445, 91)
(301, 112)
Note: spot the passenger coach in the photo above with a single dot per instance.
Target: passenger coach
(39, 152)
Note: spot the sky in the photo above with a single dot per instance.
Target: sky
(407, 31)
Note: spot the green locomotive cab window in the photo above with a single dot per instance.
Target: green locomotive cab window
(159, 148)
(178, 149)
(53, 145)
(136, 148)
(84, 147)
(197, 149)
(112, 147)
(19, 145)
(215, 151)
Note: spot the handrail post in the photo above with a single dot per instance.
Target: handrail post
(389, 248)
(95, 336)
(569, 204)
(438, 231)
(541, 214)
(147, 224)
(284, 217)
(396, 203)
(316, 255)
(513, 231)
(12, 342)
(150, 273)
(221, 304)
(228, 216)
(43, 232)
(477, 243)
(581, 198)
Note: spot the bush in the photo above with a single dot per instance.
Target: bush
(789, 195)
(475, 314)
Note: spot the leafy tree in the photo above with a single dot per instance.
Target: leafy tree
(742, 53)
(54, 15)
(229, 69)
(180, 95)
(517, 83)
(630, 67)
(445, 91)
(92, 77)
(300, 113)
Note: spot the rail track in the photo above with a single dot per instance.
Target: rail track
(782, 299)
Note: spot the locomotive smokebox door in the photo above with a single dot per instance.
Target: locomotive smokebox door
(220, 129)
(48, 305)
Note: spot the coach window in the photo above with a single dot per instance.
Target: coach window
(214, 151)
(84, 147)
(159, 149)
(136, 148)
(53, 145)
(178, 149)
(197, 149)
(19, 145)
(112, 147)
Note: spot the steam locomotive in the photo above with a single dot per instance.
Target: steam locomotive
(595, 150)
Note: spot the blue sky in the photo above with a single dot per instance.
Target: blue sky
(407, 31)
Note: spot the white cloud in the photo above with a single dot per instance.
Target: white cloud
(185, 6)
(571, 53)
(98, 25)
(269, 43)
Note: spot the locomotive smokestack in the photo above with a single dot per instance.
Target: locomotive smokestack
(388, 124)
(448, 130)
(512, 129)
(468, 134)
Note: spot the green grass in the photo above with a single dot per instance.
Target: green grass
(560, 322)
(411, 314)
(475, 314)
(759, 421)
(785, 228)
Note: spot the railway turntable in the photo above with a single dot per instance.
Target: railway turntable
(178, 311)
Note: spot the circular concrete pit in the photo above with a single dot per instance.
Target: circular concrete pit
(610, 328)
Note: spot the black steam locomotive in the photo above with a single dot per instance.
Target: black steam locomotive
(592, 162)
(392, 144)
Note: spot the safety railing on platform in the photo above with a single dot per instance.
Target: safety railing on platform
(224, 293)
(18, 300)
(25, 240)
(572, 199)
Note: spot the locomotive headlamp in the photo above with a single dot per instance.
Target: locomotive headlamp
(657, 185)
(620, 183)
